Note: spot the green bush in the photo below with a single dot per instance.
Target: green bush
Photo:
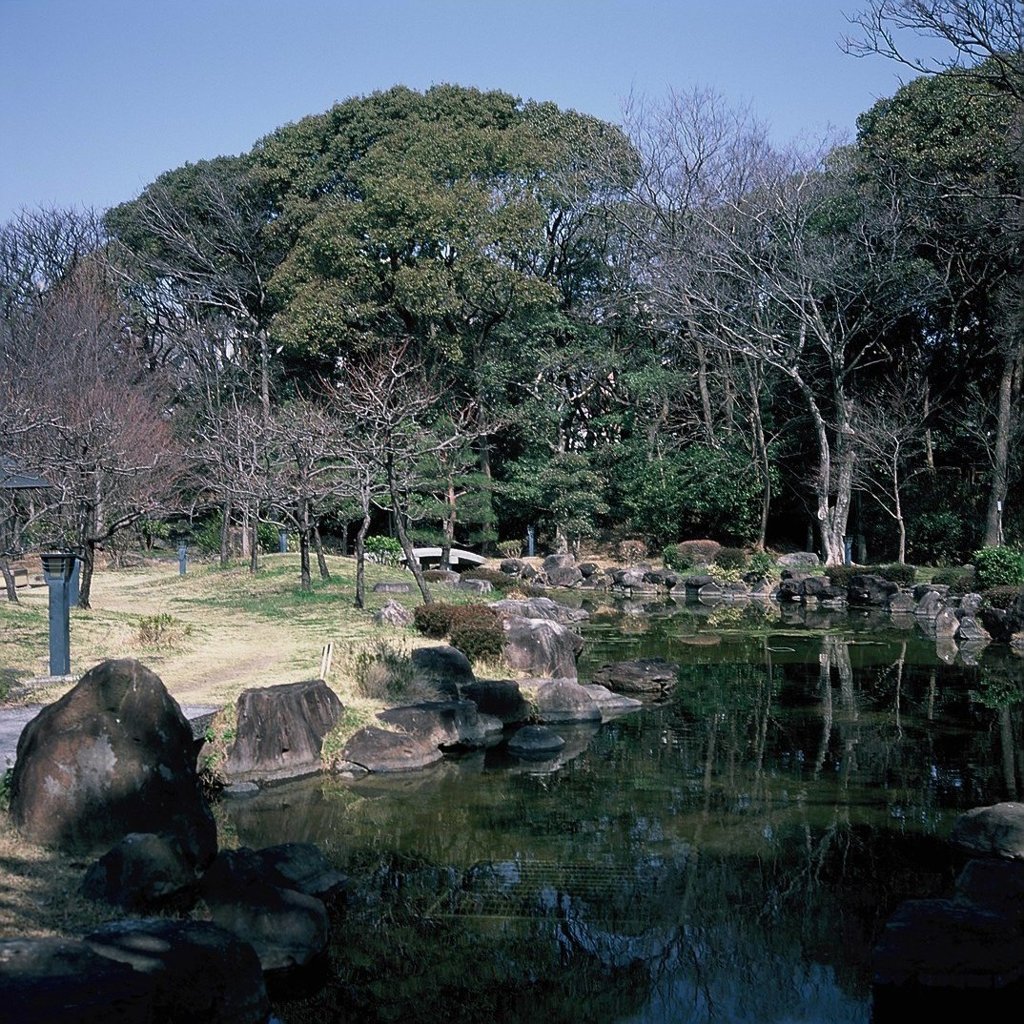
(689, 553)
(385, 550)
(958, 579)
(999, 566)
(1002, 596)
(472, 615)
(434, 620)
(840, 575)
(511, 548)
(762, 564)
(384, 673)
(479, 641)
(499, 580)
(904, 575)
(731, 558)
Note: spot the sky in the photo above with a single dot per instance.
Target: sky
(99, 97)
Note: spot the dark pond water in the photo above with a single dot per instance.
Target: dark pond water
(729, 855)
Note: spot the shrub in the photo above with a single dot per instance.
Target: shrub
(731, 558)
(904, 575)
(434, 620)
(840, 575)
(497, 579)
(1002, 596)
(511, 548)
(998, 566)
(762, 564)
(384, 550)
(472, 615)
(162, 630)
(632, 551)
(960, 580)
(689, 553)
(479, 641)
(383, 673)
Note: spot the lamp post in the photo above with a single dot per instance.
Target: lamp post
(57, 569)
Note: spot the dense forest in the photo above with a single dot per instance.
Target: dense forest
(454, 314)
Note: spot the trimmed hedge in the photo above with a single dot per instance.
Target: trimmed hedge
(840, 575)
(959, 580)
(689, 553)
(474, 629)
(497, 579)
(731, 558)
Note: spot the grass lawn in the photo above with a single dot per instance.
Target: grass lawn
(213, 632)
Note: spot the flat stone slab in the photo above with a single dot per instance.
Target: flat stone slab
(996, 831)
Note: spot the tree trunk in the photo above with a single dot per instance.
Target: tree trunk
(763, 461)
(448, 539)
(12, 590)
(1001, 453)
(403, 537)
(364, 526)
(321, 560)
(225, 534)
(253, 533)
(305, 576)
(88, 557)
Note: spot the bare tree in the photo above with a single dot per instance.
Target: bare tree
(888, 434)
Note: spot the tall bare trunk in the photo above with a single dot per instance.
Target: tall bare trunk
(321, 560)
(12, 590)
(1001, 448)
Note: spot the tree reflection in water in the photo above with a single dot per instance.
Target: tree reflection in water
(730, 855)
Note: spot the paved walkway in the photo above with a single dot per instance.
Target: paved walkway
(13, 720)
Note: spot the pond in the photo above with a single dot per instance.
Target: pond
(728, 855)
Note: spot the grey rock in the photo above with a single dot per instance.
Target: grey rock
(442, 723)
(198, 971)
(946, 624)
(559, 700)
(902, 603)
(142, 873)
(393, 614)
(644, 676)
(541, 647)
(475, 586)
(53, 981)
(541, 608)
(929, 604)
(380, 750)
(971, 631)
(500, 699)
(994, 831)
(444, 667)
(799, 558)
(392, 588)
(611, 704)
(534, 740)
(280, 731)
(114, 755)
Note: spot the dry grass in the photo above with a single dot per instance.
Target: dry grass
(234, 630)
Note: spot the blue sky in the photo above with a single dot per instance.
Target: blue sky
(98, 97)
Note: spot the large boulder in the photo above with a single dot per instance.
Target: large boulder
(800, 559)
(280, 731)
(869, 591)
(442, 667)
(535, 741)
(609, 703)
(541, 647)
(196, 970)
(995, 831)
(949, 945)
(649, 677)
(564, 576)
(54, 981)
(560, 700)
(540, 608)
(302, 866)
(250, 898)
(373, 749)
(143, 873)
(114, 755)
(455, 723)
(499, 698)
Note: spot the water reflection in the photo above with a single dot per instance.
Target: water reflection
(728, 855)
